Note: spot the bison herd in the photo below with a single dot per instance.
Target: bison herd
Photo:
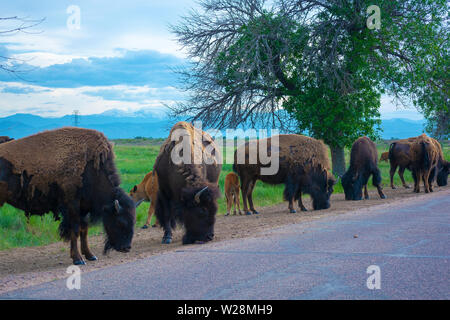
(71, 172)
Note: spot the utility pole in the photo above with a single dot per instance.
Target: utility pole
(76, 118)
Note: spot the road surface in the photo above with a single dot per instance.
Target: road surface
(408, 242)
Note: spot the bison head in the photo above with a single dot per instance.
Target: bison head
(119, 218)
(321, 188)
(442, 175)
(352, 185)
(199, 206)
(138, 194)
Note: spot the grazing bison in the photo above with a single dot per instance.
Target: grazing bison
(232, 190)
(147, 190)
(4, 139)
(304, 167)
(384, 156)
(190, 163)
(400, 156)
(363, 164)
(71, 172)
(442, 168)
(424, 160)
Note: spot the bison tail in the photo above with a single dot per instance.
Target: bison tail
(426, 163)
(64, 229)
(391, 151)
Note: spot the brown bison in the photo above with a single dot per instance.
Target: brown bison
(442, 168)
(70, 172)
(384, 156)
(147, 190)
(363, 164)
(232, 190)
(190, 163)
(4, 139)
(304, 167)
(424, 161)
(399, 156)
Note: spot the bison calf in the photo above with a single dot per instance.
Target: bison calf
(147, 190)
(363, 164)
(384, 156)
(70, 172)
(304, 167)
(232, 190)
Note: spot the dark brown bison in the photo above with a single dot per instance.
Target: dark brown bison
(400, 156)
(4, 139)
(70, 172)
(304, 167)
(442, 168)
(424, 160)
(188, 168)
(363, 164)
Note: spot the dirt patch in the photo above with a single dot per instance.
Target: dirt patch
(23, 267)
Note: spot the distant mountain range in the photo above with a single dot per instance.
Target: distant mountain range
(116, 124)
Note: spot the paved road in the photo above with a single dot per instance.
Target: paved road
(324, 259)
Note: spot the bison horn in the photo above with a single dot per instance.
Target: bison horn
(197, 196)
(117, 205)
(138, 203)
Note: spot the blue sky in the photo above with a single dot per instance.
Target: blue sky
(122, 57)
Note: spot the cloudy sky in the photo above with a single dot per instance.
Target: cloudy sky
(121, 57)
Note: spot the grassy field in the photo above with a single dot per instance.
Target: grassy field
(134, 160)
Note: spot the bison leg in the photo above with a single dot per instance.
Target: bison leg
(392, 173)
(150, 213)
(84, 243)
(300, 202)
(366, 193)
(163, 213)
(376, 181)
(250, 197)
(427, 185)
(74, 253)
(228, 204)
(245, 186)
(237, 201)
(400, 173)
(416, 177)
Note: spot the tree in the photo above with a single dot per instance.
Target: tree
(312, 61)
(10, 26)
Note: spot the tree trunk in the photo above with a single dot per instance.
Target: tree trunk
(338, 160)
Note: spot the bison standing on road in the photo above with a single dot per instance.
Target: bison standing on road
(147, 190)
(303, 167)
(188, 167)
(424, 157)
(71, 172)
(363, 164)
(400, 156)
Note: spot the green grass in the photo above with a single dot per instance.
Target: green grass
(133, 162)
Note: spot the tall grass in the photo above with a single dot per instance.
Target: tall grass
(133, 162)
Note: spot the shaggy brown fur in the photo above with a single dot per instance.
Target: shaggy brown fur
(62, 166)
(147, 191)
(70, 172)
(179, 196)
(4, 139)
(232, 190)
(304, 167)
(425, 156)
(384, 156)
(363, 164)
(399, 156)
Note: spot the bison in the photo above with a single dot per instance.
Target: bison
(147, 190)
(70, 172)
(190, 163)
(304, 167)
(442, 168)
(399, 156)
(363, 164)
(232, 190)
(424, 161)
(384, 156)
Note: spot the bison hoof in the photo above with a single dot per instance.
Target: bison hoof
(92, 258)
(248, 213)
(292, 211)
(227, 214)
(406, 186)
(166, 240)
(367, 198)
(393, 187)
(383, 196)
(304, 209)
(79, 262)
(255, 212)
(144, 226)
